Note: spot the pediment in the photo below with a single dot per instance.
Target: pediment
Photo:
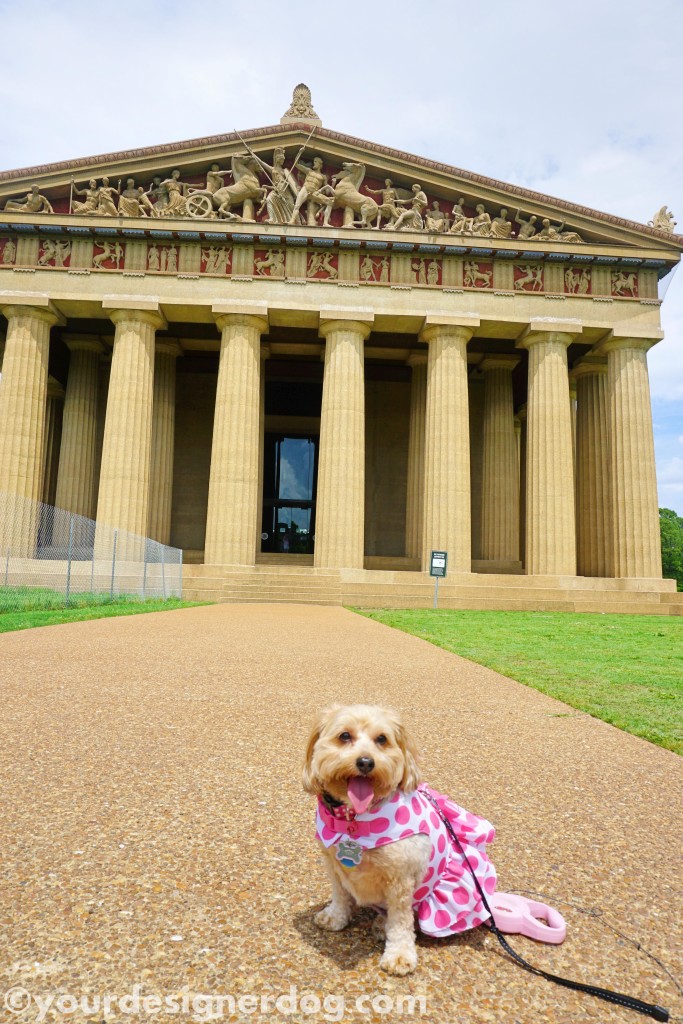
(440, 204)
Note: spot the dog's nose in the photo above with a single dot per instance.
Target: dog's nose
(365, 765)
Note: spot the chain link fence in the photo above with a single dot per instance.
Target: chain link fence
(50, 558)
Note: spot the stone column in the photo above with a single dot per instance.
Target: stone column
(53, 434)
(635, 511)
(123, 501)
(500, 506)
(593, 506)
(416, 448)
(475, 395)
(265, 353)
(550, 527)
(340, 507)
(76, 476)
(521, 416)
(163, 436)
(572, 416)
(23, 395)
(232, 514)
(447, 511)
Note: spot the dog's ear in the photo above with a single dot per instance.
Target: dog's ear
(412, 777)
(322, 717)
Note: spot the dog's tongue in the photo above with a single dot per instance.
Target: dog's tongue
(361, 793)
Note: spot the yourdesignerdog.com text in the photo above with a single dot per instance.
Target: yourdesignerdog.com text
(202, 1006)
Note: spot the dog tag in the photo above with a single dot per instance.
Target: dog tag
(349, 853)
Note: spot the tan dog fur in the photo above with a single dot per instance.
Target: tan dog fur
(388, 875)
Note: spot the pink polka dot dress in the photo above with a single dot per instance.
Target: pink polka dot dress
(447, 901)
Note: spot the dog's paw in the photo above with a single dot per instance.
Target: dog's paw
(399, 961)
(332, 918)
(379, 928)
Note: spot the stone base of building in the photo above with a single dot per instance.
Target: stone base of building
(385, 588)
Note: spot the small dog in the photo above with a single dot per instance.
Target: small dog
(383, 834)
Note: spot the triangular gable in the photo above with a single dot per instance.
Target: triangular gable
(443, 186)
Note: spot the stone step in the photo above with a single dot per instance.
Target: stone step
(302, 584)
(420, 590)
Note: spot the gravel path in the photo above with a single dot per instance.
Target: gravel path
(156, 834)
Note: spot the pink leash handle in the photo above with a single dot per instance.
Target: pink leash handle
(514, 914)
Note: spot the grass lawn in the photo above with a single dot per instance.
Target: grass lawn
(625, 669)
(25, 607)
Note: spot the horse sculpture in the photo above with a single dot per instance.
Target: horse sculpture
(247, 185)
(345, 195)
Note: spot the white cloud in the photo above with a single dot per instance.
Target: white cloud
(670, 473)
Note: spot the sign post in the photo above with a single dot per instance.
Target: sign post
(437, 568)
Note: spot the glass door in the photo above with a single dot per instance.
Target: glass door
(290, 471)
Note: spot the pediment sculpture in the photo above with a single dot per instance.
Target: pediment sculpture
(663, 220)
(263, 187)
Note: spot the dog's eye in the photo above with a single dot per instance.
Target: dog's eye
(345, 737)
(381, 740)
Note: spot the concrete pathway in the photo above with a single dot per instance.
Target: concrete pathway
(155, 832)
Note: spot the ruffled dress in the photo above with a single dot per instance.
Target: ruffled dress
(447, 900)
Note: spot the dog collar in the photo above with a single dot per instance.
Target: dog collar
(348, 824)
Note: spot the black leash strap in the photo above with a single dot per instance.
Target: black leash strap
(650, 1010)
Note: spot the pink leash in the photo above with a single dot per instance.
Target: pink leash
(522, 913)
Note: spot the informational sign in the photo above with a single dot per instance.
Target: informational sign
(438, 563)
(437, 568)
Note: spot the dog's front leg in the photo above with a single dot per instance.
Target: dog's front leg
(400, 954)
(336, 914)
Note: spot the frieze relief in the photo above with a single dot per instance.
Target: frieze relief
(375, 269)
(625, 284)
(216, 259)
(54, 253)
(477, 275)
(577, 281)
(8, 252)
(269, 263)
(528, 277)
(322, 266)
(325, 265)
(427, 271)
(109, 256)
(162, 259)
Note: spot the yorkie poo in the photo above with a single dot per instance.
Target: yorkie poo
(383, 835)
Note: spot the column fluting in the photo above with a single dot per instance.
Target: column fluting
(76, 475)
(635, 510)
(447, 506)
(416, 449)
(163, 437)
(265, 354)
(232, 513)
(23, 394)
(23, 397)
(54, 413)
(123, 500)
(500, 505)
(340, 504)
(593, 505)
(550, 512)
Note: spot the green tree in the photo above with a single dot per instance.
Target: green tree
(671, 527)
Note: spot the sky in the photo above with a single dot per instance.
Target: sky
(579, 100)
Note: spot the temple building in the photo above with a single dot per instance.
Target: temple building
(309, 360)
